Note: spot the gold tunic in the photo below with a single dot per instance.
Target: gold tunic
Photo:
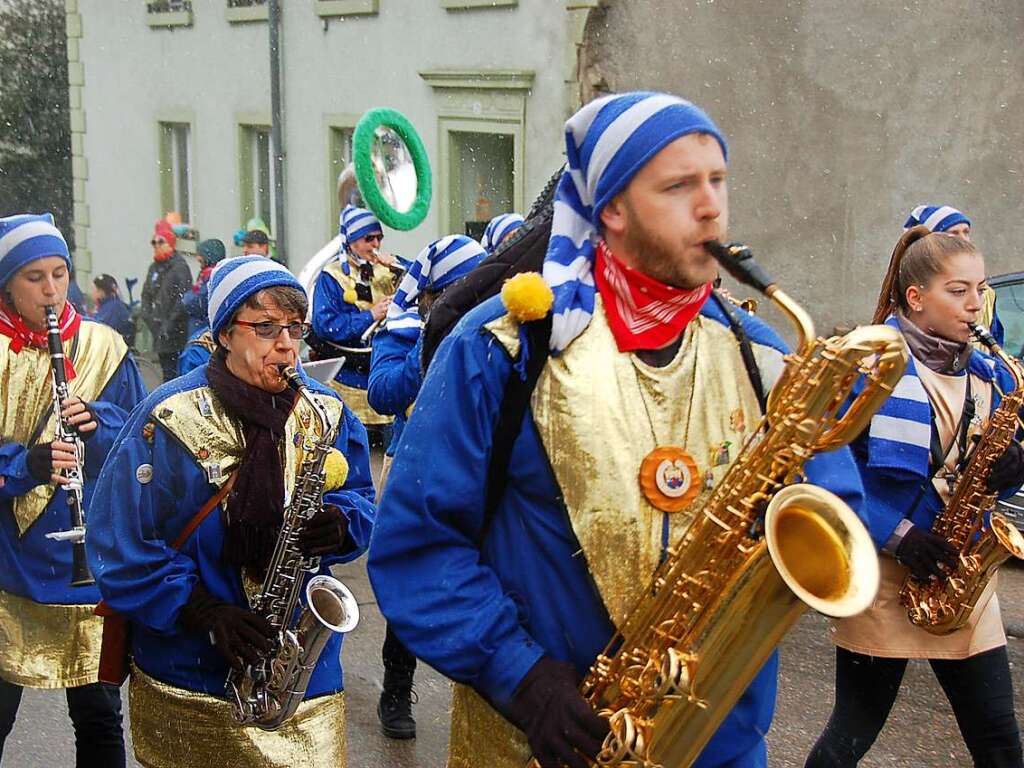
(884, 629)
(49, 646)
(598, 413)
(383, 284)
(176, 728)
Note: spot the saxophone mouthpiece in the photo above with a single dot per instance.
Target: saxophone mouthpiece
(738, 261)
(982, 334)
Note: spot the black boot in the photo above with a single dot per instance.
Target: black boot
(395, 706)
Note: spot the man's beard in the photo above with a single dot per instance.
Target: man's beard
(656, 257)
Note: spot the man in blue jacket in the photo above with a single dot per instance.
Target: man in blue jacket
(514, 601)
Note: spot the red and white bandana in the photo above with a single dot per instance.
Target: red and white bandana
(643, 313)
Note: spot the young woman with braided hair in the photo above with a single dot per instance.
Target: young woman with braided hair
(909, 460)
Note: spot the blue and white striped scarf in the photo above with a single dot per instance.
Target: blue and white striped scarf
(607, 142)
(900, 434)
(437, 266)
(499, 228)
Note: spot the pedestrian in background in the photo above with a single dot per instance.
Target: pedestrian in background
(110, 310)
(200, 344)
(167, 281)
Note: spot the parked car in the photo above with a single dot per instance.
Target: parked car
(1009, 290)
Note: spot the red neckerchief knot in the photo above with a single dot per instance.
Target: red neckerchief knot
(13, 327)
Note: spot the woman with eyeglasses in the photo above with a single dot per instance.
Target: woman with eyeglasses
(49, 637)
(188, 511)
(350, 299)
(167, 281)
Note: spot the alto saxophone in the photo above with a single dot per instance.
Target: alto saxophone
(762, 546)
(944, 605)
(81, 576)
(267, 694)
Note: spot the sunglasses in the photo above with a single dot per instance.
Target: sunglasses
(157, 241)
(273, 330)
(374, 238)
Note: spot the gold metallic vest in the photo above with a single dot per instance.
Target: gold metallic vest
(383, 283)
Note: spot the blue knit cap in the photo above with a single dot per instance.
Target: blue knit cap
(356, 222)
(235, 280)
(938, 218)
(436, 267)
(26, 237)
(607, 142)
(499, 228)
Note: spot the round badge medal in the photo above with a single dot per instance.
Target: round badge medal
(669, 478)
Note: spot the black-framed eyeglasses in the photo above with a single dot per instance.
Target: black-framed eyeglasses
(273, 330)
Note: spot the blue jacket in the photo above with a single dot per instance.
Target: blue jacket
(485, 614)
(114, 312)
(195, 304)
(340, 322)
(193, 355)
(139, 574)
(395, 379)
(33, 566)
(892, 494)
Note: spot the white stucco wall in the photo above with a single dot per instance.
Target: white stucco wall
(214, 70)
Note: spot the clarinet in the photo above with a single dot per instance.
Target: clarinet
(80, 574)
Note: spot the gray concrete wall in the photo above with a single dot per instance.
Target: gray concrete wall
(841, 115)
(214, 70)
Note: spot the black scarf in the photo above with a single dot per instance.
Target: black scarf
(939, 354)
(255, 507)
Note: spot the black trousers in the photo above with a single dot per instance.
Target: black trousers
(979, 688)
(399, 663)
(96, 715)
(169, 365)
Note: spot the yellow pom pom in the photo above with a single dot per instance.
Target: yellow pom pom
(336, 468)
(350, 296)
(527, 297)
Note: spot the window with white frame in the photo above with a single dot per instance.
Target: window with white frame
(176, 169)
(257, 175)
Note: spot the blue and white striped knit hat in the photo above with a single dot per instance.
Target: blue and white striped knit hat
(938, 218)
(499, 228)
(235, 280)
(436, 267)
(26, 237)
(607, 142)
(355, 222)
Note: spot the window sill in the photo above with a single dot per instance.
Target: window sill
(244, 15)
(462, 5)
(336, 8)
(163, 19)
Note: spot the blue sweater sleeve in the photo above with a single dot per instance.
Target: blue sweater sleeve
(446, 605)
(334, 319)
(395, 376)
(14, 471)
(355, 497)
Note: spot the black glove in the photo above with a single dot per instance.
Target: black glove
(325, 533)
(1008, 469)
(559, 724)
(237, 633)
(39, 460)
(922, 551)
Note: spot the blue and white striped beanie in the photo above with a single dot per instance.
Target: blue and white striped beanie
(436, 267)
(355, 222)
(938, 218)
(235, 280)
(607, 142)
(26, 237)
(499, 228)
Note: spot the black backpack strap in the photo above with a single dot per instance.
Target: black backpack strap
(516, 399)
(746, 350)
